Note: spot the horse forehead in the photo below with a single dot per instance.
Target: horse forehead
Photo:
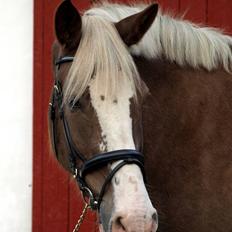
(103, 99)
(108, 107)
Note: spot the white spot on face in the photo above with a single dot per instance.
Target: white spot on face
(116, 125)
(103, 147)
(103, 144)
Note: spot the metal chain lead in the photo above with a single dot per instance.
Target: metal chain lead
(82, 217)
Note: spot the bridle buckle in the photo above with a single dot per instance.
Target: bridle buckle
(89, 198)
(75, 173)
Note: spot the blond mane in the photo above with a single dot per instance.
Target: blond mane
(176, 39)
(103, 56)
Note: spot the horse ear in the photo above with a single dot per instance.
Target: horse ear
(68, 25)
(134, 27)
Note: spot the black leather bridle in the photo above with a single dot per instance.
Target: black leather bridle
(126, 156)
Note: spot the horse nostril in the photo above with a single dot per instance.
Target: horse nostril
(135, 222)
(118, 223)
(155, 218)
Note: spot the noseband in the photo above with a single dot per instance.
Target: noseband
(98, 161)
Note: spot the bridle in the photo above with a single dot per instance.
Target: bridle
(98, 161)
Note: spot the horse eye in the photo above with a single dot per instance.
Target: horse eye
(74, 105)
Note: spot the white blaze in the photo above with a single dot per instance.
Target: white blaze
(116, 125)
(114, 117)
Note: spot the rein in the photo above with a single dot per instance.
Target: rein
(126, 156)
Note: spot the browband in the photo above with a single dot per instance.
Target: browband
(64, 59)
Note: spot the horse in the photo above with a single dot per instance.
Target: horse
(141, 115)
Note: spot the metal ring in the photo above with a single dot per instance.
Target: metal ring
(75, 173)
(56, 88)
(91, 201)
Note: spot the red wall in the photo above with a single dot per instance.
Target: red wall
(56, 200)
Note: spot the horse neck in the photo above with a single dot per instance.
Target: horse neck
(187, 140)
(183, 102)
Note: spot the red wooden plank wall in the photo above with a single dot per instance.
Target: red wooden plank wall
(56, 200)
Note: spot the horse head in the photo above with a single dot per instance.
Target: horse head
(96, 115)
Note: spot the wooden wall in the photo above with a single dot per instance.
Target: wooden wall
(56, 200)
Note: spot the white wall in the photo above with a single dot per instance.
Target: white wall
(16, 25)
